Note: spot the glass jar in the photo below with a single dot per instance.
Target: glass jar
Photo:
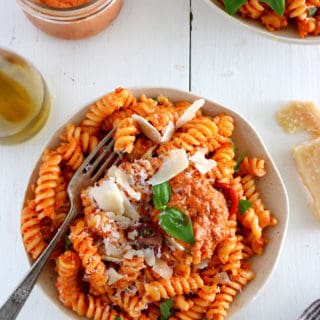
(24, 99)
(75, 22)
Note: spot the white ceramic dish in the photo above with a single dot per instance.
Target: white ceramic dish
(271, 188)
(289, 34)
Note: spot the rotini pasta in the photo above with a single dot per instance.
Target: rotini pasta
(304, 14)
(125, 259)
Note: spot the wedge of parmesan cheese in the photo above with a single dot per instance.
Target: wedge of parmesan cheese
(202, 164)
(108, 197)
(307, 158)
(124, 181)
(147, 128)
(300, 116)
(190, 113)
(176, 162)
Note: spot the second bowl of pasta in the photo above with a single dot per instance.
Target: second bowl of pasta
(296, 21)
(190, 223)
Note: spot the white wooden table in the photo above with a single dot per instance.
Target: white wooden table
(150, 44)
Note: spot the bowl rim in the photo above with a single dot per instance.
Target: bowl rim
(267, 34)
(186, 95)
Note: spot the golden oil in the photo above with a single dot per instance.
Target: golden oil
(24, 99)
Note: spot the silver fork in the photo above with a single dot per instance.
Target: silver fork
(88, 173)
(312, 312)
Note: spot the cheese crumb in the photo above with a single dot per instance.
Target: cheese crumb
(114, 276)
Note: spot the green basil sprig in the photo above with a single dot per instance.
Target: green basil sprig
(233, 5)
(117, 318)
(312, 11)
(239, 160)
(165, 309)
(244, 205)
(176, 224)
(161, 195)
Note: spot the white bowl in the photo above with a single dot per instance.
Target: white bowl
(271, 188)
(289, 34)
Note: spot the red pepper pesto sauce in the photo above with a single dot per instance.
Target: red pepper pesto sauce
(207, 208)
(61, 4)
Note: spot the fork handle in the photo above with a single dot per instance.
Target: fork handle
(15, 302)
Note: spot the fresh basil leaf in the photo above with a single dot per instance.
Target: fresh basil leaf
(165, 309)
(233, 5)
(239, 160)
(67, 243)
(235, 148)
(161, 195)
(176, 224)
(244, 205)
(312, 11)
(117, 318)
(276, 5)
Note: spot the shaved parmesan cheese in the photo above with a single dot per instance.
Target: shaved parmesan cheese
(298, 116)
(222, 278)
(123, 180)
(114, 276)
(162, 269)
(175, 244)
(307, 156)
(202, 164)
(203, 264)
(190, 113)
(147, 254)
(108, 197)
(123, 221)
(147, 128)
(168, 132)
(111, 259)
(129, 210)
(133, 234)
(176, 162)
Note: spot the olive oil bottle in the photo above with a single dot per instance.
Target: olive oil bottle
(24, 99)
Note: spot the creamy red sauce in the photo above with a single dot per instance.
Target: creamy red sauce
(206, 207)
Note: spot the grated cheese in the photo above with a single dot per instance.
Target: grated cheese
(132, 235)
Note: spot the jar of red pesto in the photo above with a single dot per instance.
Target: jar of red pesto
(71, 19)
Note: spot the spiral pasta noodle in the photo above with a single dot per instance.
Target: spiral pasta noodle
(125, 135)
(118, 261)
(120, 98)
(31, 231)
(253, 9)
(49, 174)
(95, 269)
